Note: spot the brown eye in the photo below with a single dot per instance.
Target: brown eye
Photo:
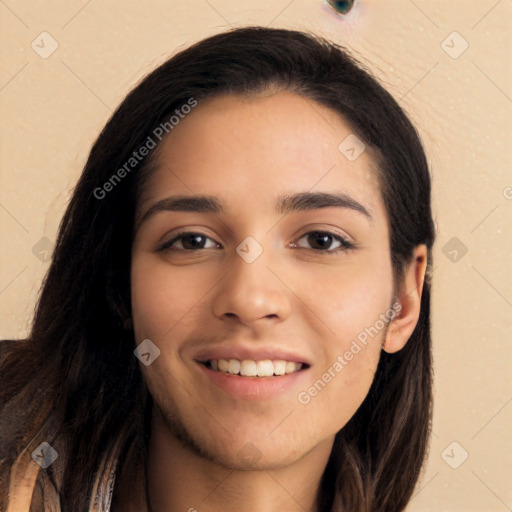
(343, 7)
(189, 241)
(193, 241)
(322, 242)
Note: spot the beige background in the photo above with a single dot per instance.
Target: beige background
(53, 108)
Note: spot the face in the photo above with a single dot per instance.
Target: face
(256, 275)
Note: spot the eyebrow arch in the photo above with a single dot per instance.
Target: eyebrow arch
(316, 200)
(183, 203)
(285, 204)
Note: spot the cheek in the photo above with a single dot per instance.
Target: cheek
(340, 383)
(351, 298)
(163, 298)
(352, 303)
(335, 396)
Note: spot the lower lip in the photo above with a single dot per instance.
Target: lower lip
(254, 388)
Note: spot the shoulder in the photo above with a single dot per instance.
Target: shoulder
(18, 475)
(25, 422)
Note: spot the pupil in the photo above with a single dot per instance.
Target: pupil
(196, 241)
(322, 239)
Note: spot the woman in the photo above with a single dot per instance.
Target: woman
(237, 313)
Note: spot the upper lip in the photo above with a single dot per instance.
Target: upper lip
(255, 354)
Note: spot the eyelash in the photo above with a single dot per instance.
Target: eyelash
(345, 244)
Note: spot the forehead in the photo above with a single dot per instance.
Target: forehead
(249, 149)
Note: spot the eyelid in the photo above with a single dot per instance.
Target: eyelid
(167, 244)
(326, 228)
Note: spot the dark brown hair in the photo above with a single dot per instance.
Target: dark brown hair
(76, 370)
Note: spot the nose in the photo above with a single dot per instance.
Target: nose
(252, 294)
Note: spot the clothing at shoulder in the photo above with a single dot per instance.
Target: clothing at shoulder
(25, 486)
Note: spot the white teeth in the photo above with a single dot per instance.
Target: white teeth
(249, 368)
(234, 366)
(292, 367)
(223, 365)
(280, 367)
(265, 368)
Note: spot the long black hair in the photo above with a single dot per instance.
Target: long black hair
(76, 375)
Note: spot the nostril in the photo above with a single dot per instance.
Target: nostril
(341, 7)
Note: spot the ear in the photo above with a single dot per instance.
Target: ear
(403, 324)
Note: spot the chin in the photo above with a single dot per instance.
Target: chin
(252, 457)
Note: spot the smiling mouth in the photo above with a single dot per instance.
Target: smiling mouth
(257, 369)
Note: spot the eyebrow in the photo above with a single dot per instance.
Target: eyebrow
(284, 204)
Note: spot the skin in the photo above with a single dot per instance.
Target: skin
(247, 151)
